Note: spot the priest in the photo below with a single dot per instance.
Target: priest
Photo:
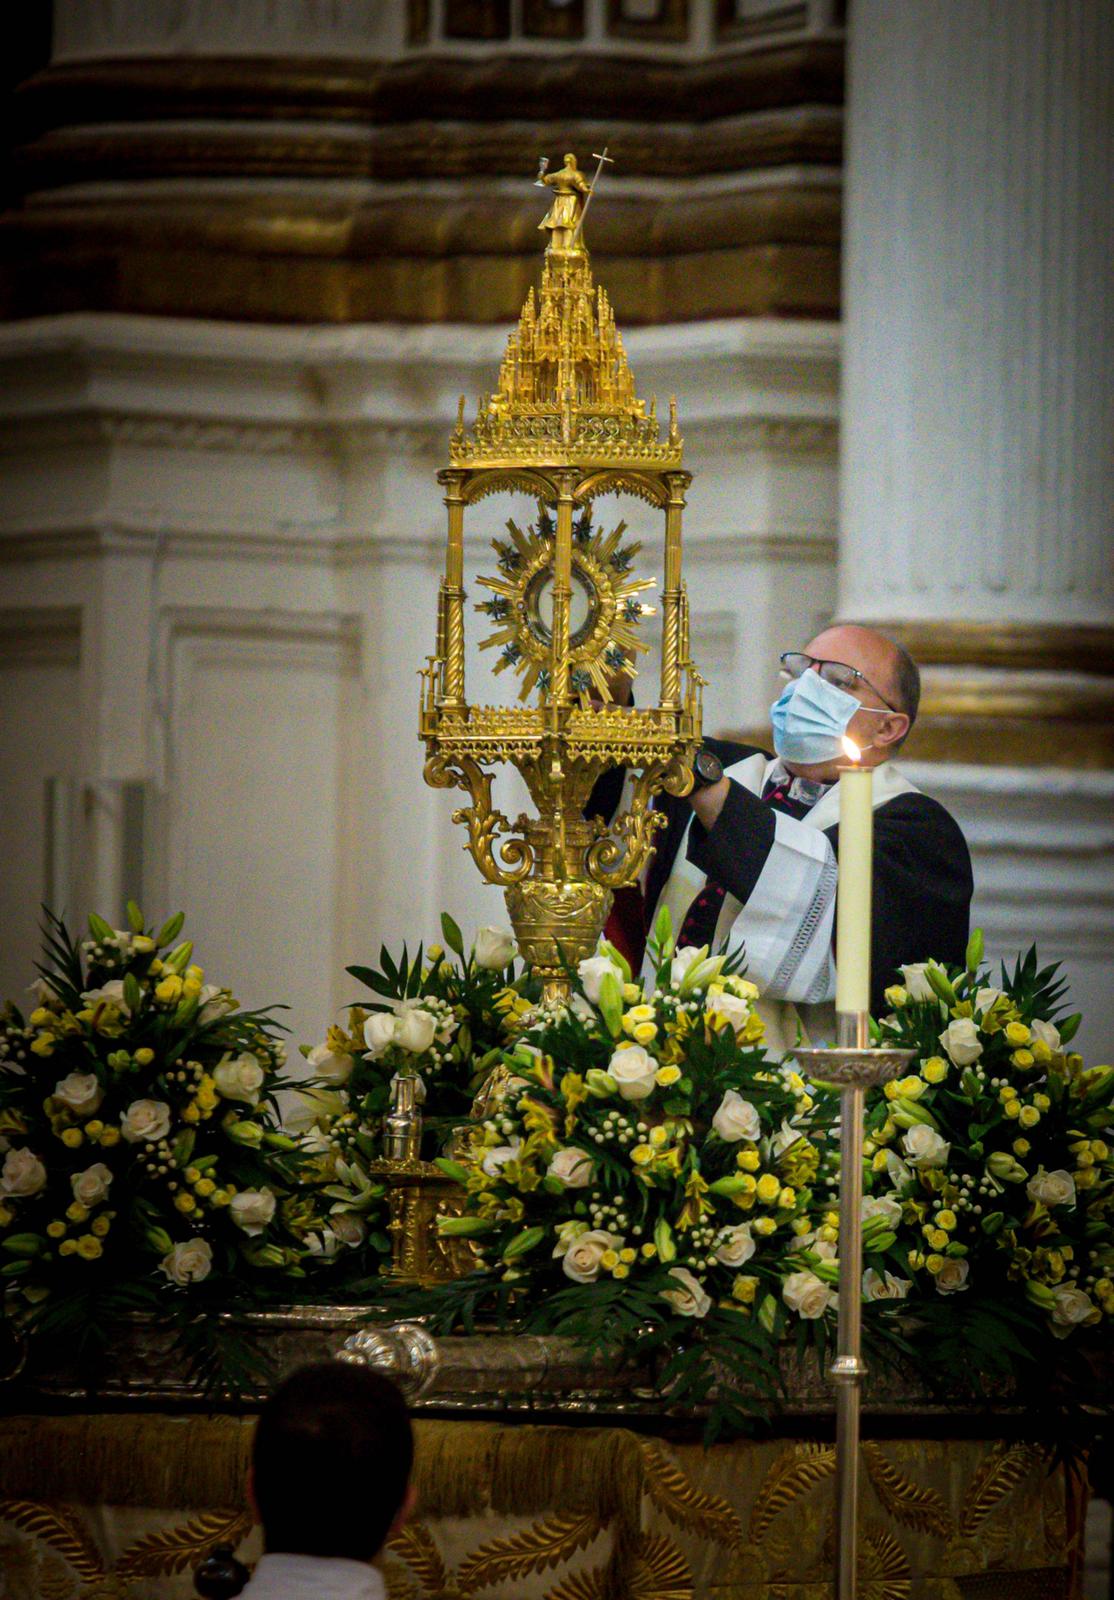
(750, 858)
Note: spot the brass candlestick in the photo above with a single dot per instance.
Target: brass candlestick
(855, 1067)
(565, 426)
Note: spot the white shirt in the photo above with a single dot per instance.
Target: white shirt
(289, 1577)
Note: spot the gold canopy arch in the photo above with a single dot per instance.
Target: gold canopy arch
(565, 426)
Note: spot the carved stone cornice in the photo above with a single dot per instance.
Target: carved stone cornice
(478, 89)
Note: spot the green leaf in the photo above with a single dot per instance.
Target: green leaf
(1070, 1027)
(452, 936)
(133, 994)
(135, 917)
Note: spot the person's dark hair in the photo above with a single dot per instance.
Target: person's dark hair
(331, 1461)
(907, 686)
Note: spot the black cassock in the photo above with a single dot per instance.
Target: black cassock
(779, 873)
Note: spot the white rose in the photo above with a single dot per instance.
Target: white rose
(23, 1173)
(986, 998)
(581, 1261)
(379, 1033)
(1051, 1188)
(737, 1119)
(952, 1276)
(916, 985)
(960, 1040)
(91, 1186)
(109, 994)
(807, 1295)
(499, 1155)
(239, 1078)
(887, 1288)
(592, 971)
(634, 1071)
(494, 948)
(735, 1245)
(146, 1119)
(572, 1167)
(80, 1093)
(252, 1209)
(881, 1206)
(1072, 1307)
(682, 961)
(332, 1066)
(349, 1229)
(1046, 1032)
(189, 1261)
(732, 1007)
(924, 1146)
(689, 1297)
(416, 1029)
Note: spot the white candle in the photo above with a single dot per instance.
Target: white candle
(856, 845)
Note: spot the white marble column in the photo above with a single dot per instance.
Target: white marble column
(977, 470)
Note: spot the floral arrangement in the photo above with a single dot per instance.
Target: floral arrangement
(646, 1175)
(436, 1019)
(991, 1163)
(142, 1164)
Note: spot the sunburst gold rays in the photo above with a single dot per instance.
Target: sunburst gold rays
(605, 611)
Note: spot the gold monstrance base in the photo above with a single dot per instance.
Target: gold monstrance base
(565, 427)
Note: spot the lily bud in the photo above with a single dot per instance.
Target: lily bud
(160, 1241)
(767, 1313)
(1040, 1294)
(663, 1239)
(23, 1244)
(618, 958)
(245, 1133)
(601, 1085)
(522, 1242)
(992, 1225)
(939, 982)
(611, 1004)
(464, 1227)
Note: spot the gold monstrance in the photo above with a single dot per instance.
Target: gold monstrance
(565, 427)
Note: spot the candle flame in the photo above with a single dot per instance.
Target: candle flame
(851, 750)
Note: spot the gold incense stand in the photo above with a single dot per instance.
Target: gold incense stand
(854, 1067)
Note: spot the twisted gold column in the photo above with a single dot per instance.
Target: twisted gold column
(452, 646)
(671, 594)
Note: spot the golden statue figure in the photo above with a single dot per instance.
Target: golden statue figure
(564, 214)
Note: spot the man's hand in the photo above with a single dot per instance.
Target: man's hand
(708, 802)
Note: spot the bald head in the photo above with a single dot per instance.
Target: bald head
(884, 663)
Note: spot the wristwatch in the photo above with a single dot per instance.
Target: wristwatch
(706, 770)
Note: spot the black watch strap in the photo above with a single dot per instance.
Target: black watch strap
(706, 769)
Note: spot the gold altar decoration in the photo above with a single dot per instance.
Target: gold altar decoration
(417, 1194)
(125, 1506)
(565, 426)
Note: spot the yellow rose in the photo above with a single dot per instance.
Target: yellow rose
(109, 1137)
(787, 1198)
(1007, 1092)
(68, 1247)
(769, 1187)
(666, 1077)
(1042, 1102)
(185, 1203)
(144, 1056)
(221, 1197)
(1022, 1058)
(645, 1032)
(1017, 1033)
(945, 1219)
(937, 1238)
(72, 1137)
(1012, 1108)
(896, 996)
(649, 1250)
(1021, 1147)
(658, 1137)
(55, 1230)
(191, 1113)
(628, 1255)
(95, 1128)
(748, 1160)
(100, 1226)
(879, 1162)
(1041, 1052)
(934, 1263)
(1028, 1116)
(89, 1247)
(911, 1088)
(169, 990)
(43, 1045)
(828, 1233)
(935, 1070)
(620, 1271)
(609, 1260)
(1087, 1178)
(641, 1155)
(1099, 1149)
(204, 1187)
(190, 989)
(744, 1289)
(764, 1225)
(77, 1212)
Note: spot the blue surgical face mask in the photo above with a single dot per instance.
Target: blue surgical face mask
(809, 719)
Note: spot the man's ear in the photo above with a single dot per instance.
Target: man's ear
(893, 728)
(405, 1510)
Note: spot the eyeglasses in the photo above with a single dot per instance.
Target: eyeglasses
(837, 673)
